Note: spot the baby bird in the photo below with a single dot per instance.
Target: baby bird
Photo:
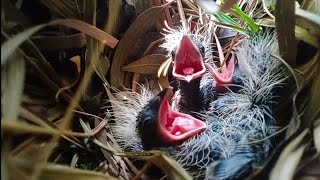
(229, 139)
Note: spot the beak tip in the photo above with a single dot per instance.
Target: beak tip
(188, 78)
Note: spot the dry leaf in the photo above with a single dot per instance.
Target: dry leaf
(146, 65)
(137, 29)
(285, 25)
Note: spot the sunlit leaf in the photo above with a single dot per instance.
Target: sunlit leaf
(316, 132)
(12, 83)
(253, 26)
(8, 47)
(146, 65)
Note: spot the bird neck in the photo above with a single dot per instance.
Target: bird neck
(190, 96)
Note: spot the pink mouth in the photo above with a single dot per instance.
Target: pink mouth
(188, 61)
(226, 75)
(175, 126)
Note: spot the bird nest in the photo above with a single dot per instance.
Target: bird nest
(75, 77)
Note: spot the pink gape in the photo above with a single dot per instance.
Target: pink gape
(174, 126)
(188, 61)
(225, 76)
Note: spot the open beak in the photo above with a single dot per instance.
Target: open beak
(225, 76)
(174, 126)
(188, 61)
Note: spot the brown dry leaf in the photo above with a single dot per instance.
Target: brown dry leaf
(59, 172)
(141, 25)
(87, 29)
(285, 25)
(77, 62)
(8, 47)
(164, 81)
(172, 168)
(22, 169)
(146, 65)
(305, 35)
(54, 43)
(74, 80)
(66, 8)
(113, 161)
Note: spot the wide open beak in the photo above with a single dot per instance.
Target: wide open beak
(226, 75)
(175, 127)
(188, 61)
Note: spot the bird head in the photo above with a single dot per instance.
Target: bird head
(159, 125)
(188, 60)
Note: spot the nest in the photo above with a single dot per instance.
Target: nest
(61, 70)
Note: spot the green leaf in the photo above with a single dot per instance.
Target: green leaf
(253, 26)
(223, 17)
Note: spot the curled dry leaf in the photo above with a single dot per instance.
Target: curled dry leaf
(77, 63)
(141, 25)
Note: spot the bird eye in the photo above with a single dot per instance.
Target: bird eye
(201, 49)
(173, 52)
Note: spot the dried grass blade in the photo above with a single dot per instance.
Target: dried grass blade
(60, 42)
(146, 65)
(289, 158)
(12, 84)
(59, 172)
(87, 29)
(8, 47)
(285, 27)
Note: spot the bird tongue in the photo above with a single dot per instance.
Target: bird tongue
(182, 125)
(188, 62)
(176, 127)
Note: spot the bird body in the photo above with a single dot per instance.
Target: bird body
(237, 121)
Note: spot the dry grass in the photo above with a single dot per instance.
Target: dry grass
(58, 56)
